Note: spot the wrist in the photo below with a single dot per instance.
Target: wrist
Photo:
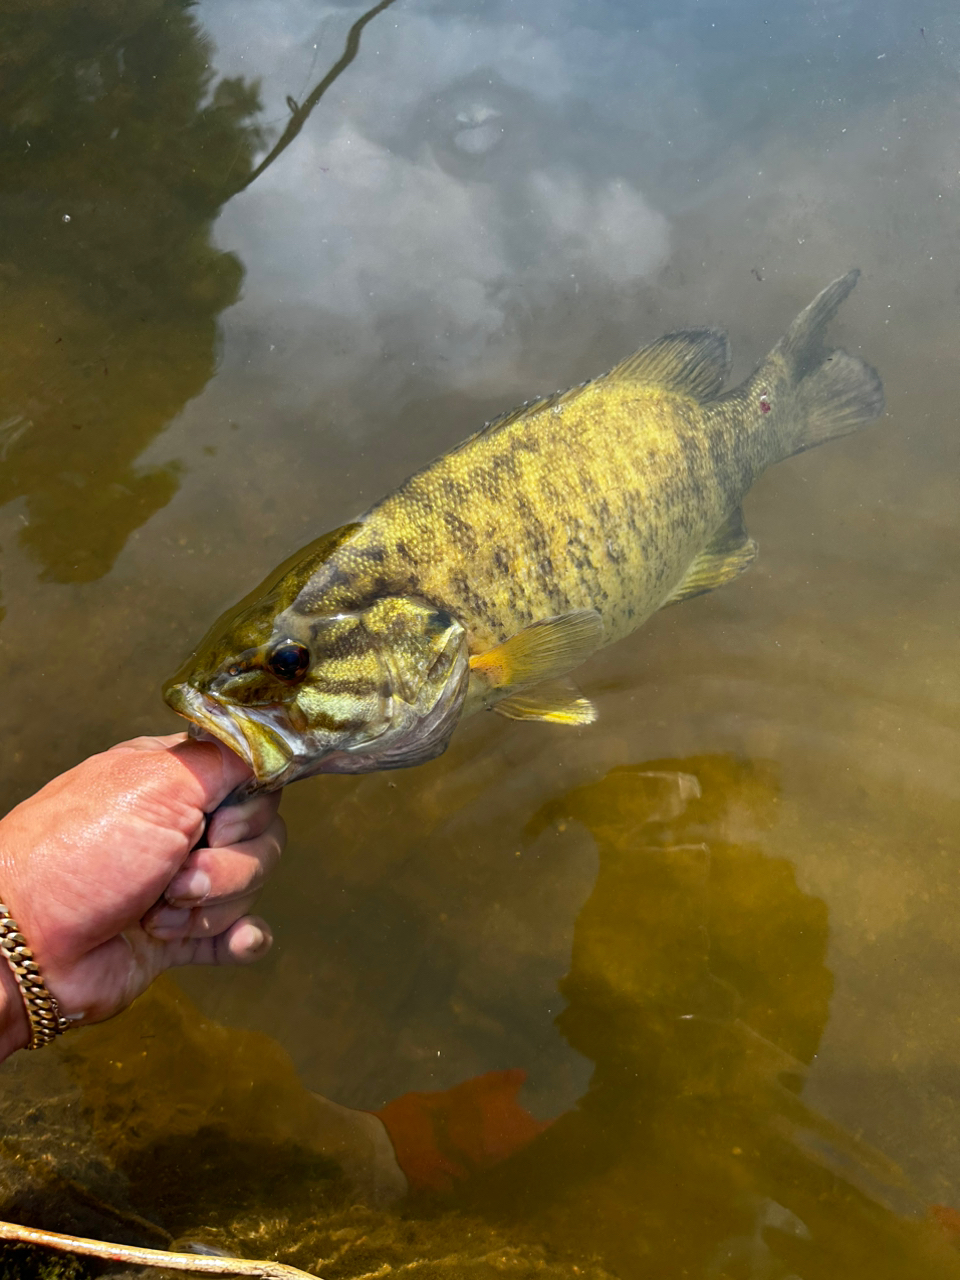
(14, 1024)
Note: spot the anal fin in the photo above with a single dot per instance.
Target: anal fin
(554, 702)
(728, 554)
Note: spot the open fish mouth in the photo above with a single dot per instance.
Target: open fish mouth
(277, 753)
(260, 736)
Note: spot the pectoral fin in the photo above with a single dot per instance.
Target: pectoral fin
(728, 554)
(554, 701)
(546, 650)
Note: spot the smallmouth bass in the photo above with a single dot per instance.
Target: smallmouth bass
(488, 576)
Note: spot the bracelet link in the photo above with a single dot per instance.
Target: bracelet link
(43, 1012)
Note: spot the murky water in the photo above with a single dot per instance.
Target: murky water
(741, 1004)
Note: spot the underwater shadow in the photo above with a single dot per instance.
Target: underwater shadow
(698, 987)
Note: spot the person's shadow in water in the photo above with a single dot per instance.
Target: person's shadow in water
(699, 988)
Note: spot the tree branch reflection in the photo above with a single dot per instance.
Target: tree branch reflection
(300, 114)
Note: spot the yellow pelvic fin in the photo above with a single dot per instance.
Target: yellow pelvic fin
(554, 701)
(728, 553)
(544, 651)
(694, 362)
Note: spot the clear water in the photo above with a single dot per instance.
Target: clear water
(496, 200)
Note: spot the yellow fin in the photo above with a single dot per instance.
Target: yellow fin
(544, 651)
(694, 361)
(728, 553)
(554, 701)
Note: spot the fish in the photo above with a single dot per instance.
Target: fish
(491, 574)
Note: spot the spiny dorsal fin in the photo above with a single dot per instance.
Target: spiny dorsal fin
(546, 650)
(728, 553)
(693, 361)
(554, 702)
(526, 410)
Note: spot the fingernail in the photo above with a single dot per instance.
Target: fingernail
(225, 833)
(188, 886)
(252, 941)
(168, 920)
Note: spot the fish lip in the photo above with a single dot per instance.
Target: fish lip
(211, 718)
(207, 713)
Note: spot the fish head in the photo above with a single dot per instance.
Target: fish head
(295, 692)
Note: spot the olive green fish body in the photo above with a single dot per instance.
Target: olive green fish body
(491, 573)
(598, 503)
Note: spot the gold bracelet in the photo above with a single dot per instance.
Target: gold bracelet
(43, 1011)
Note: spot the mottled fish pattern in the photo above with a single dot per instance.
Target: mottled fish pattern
(599, 497)
(568, 521)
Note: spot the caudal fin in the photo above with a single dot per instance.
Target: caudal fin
(840, 397)
(836, 393)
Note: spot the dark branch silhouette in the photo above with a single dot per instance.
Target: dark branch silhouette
(299, 114)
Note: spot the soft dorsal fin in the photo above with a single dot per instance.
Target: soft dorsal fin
(553, 702)
(728, 554)
(546, 650)
(693, 361)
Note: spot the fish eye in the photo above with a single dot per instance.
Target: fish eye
(289, 660)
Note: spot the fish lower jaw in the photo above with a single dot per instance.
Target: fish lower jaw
(259, 744)
(277, 754)
(209, 719)
(273, 750)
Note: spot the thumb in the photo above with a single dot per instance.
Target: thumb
(218, 769)
(214, 768)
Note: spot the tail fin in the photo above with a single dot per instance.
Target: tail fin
(836, 393)
(840, 397)
(802, 348)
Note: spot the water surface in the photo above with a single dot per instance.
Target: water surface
(490, 202)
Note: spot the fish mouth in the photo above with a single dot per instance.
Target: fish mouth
(258, 735)
(277, 754)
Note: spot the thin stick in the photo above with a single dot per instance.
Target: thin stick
(43, 1168)
(299, 114)
(196, 1262)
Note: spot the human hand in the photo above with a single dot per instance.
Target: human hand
(98, 872)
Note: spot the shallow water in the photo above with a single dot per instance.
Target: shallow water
(490, 202)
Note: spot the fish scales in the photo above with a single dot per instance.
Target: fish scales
(490, 574)
(597, 503)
